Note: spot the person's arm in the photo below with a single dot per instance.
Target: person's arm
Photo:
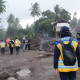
(78, 55)
(55, 58)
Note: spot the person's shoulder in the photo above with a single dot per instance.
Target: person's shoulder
(74, 39)
(57, 41)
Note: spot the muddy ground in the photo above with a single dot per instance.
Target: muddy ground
(39, 62)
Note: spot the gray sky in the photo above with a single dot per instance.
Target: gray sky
(20, 9)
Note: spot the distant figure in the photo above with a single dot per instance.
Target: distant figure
(17, 45)
(7, 41)
(11, 44)
(2, 44)
(29, 44)
(24, 43)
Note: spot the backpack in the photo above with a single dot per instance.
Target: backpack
(10, 44)
(69, 55)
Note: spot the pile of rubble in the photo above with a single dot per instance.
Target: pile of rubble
(35, 42)
(39, 42)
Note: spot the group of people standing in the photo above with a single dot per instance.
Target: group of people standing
(26, 43)
(10, 44)
(14, 43)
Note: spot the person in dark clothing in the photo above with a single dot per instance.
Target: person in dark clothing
(24, 43)
(66, 72)
(29, 44)
(11, 43)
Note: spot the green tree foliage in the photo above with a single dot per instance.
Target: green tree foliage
(43, 24)
(15, 29)
(74, 22)
(0, 20)
(61, 13)
(29, 31)
(10, 19)
(57, 12)
(37, 25)
(13, 26)
(2, 33)
(2, 6)
(79, 22)
(65, 15)
(48, 14)
(35, 10)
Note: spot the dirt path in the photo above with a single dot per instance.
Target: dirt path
(38, 62)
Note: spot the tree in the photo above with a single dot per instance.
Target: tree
(75, 13)
(43, 26)
(2, 32)
(2, 6)
(35, 10)
(14, 26)
(48, 14)
(10, 19)
(65, 14)
(0, 20)
(79, 22)
(29, 31)
(74, 21)
(57, 12)
(10, 22)
(61, 13)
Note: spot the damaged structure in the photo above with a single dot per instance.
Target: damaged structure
(57, 26)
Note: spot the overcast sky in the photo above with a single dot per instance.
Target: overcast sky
(20, 9)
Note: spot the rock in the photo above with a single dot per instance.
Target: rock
(24, 73)
(11, 78)
(4, 76)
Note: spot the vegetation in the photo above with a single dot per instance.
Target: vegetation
(35, 10)
(75, 22)
(13, 26)
(2, 6)
(42, 25)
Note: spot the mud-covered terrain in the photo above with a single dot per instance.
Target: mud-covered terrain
(37, 64)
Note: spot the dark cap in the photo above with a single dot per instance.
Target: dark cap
(64, 29)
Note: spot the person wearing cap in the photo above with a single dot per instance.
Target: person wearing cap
(66, 72)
